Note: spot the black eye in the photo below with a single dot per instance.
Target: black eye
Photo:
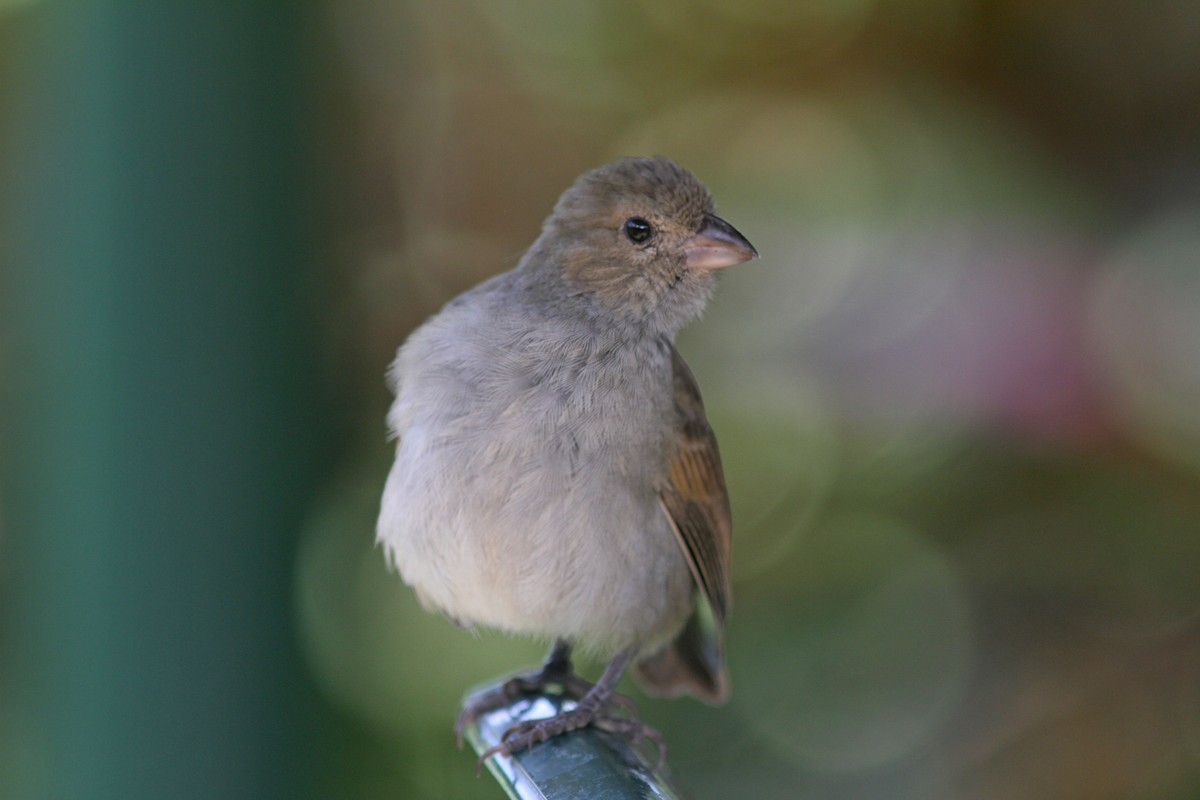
(638, 230)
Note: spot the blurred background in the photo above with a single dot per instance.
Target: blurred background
(958, 398)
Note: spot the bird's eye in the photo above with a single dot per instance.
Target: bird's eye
(638, 230)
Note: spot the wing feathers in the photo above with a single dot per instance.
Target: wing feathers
(695, 499)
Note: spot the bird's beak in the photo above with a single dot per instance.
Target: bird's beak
(717, 245)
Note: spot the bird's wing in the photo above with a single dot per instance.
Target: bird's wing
(694, 497)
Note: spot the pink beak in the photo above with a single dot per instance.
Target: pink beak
(717, 245)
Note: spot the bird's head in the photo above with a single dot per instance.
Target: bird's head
(639, 239)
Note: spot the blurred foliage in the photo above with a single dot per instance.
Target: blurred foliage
(958, 398)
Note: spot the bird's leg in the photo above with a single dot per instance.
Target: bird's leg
(556, 671)
(597, 707)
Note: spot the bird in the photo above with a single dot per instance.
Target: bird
(555, 474)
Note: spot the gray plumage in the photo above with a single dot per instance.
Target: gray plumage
(554, 472)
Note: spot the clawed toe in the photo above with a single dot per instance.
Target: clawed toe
(524, 735)
(635, 732)
(573, 687)
(598, 705)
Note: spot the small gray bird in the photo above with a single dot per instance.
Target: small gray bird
(555, 474)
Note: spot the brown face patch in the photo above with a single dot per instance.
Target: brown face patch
(613, 276)
(595, 252)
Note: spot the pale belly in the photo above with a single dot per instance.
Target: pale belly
(562, 539)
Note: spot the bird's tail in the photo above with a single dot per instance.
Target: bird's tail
(693, 662)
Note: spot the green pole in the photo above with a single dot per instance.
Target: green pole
(161, 422)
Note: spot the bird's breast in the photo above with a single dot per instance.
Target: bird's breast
(532, 505)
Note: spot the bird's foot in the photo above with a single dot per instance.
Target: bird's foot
(551, 675)
(599, 714)
(572, 686)
(598, 705)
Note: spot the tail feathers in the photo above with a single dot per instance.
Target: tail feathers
(693, 663)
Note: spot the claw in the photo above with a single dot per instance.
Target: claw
(524, 735)
(555, 672)
(598, 705)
